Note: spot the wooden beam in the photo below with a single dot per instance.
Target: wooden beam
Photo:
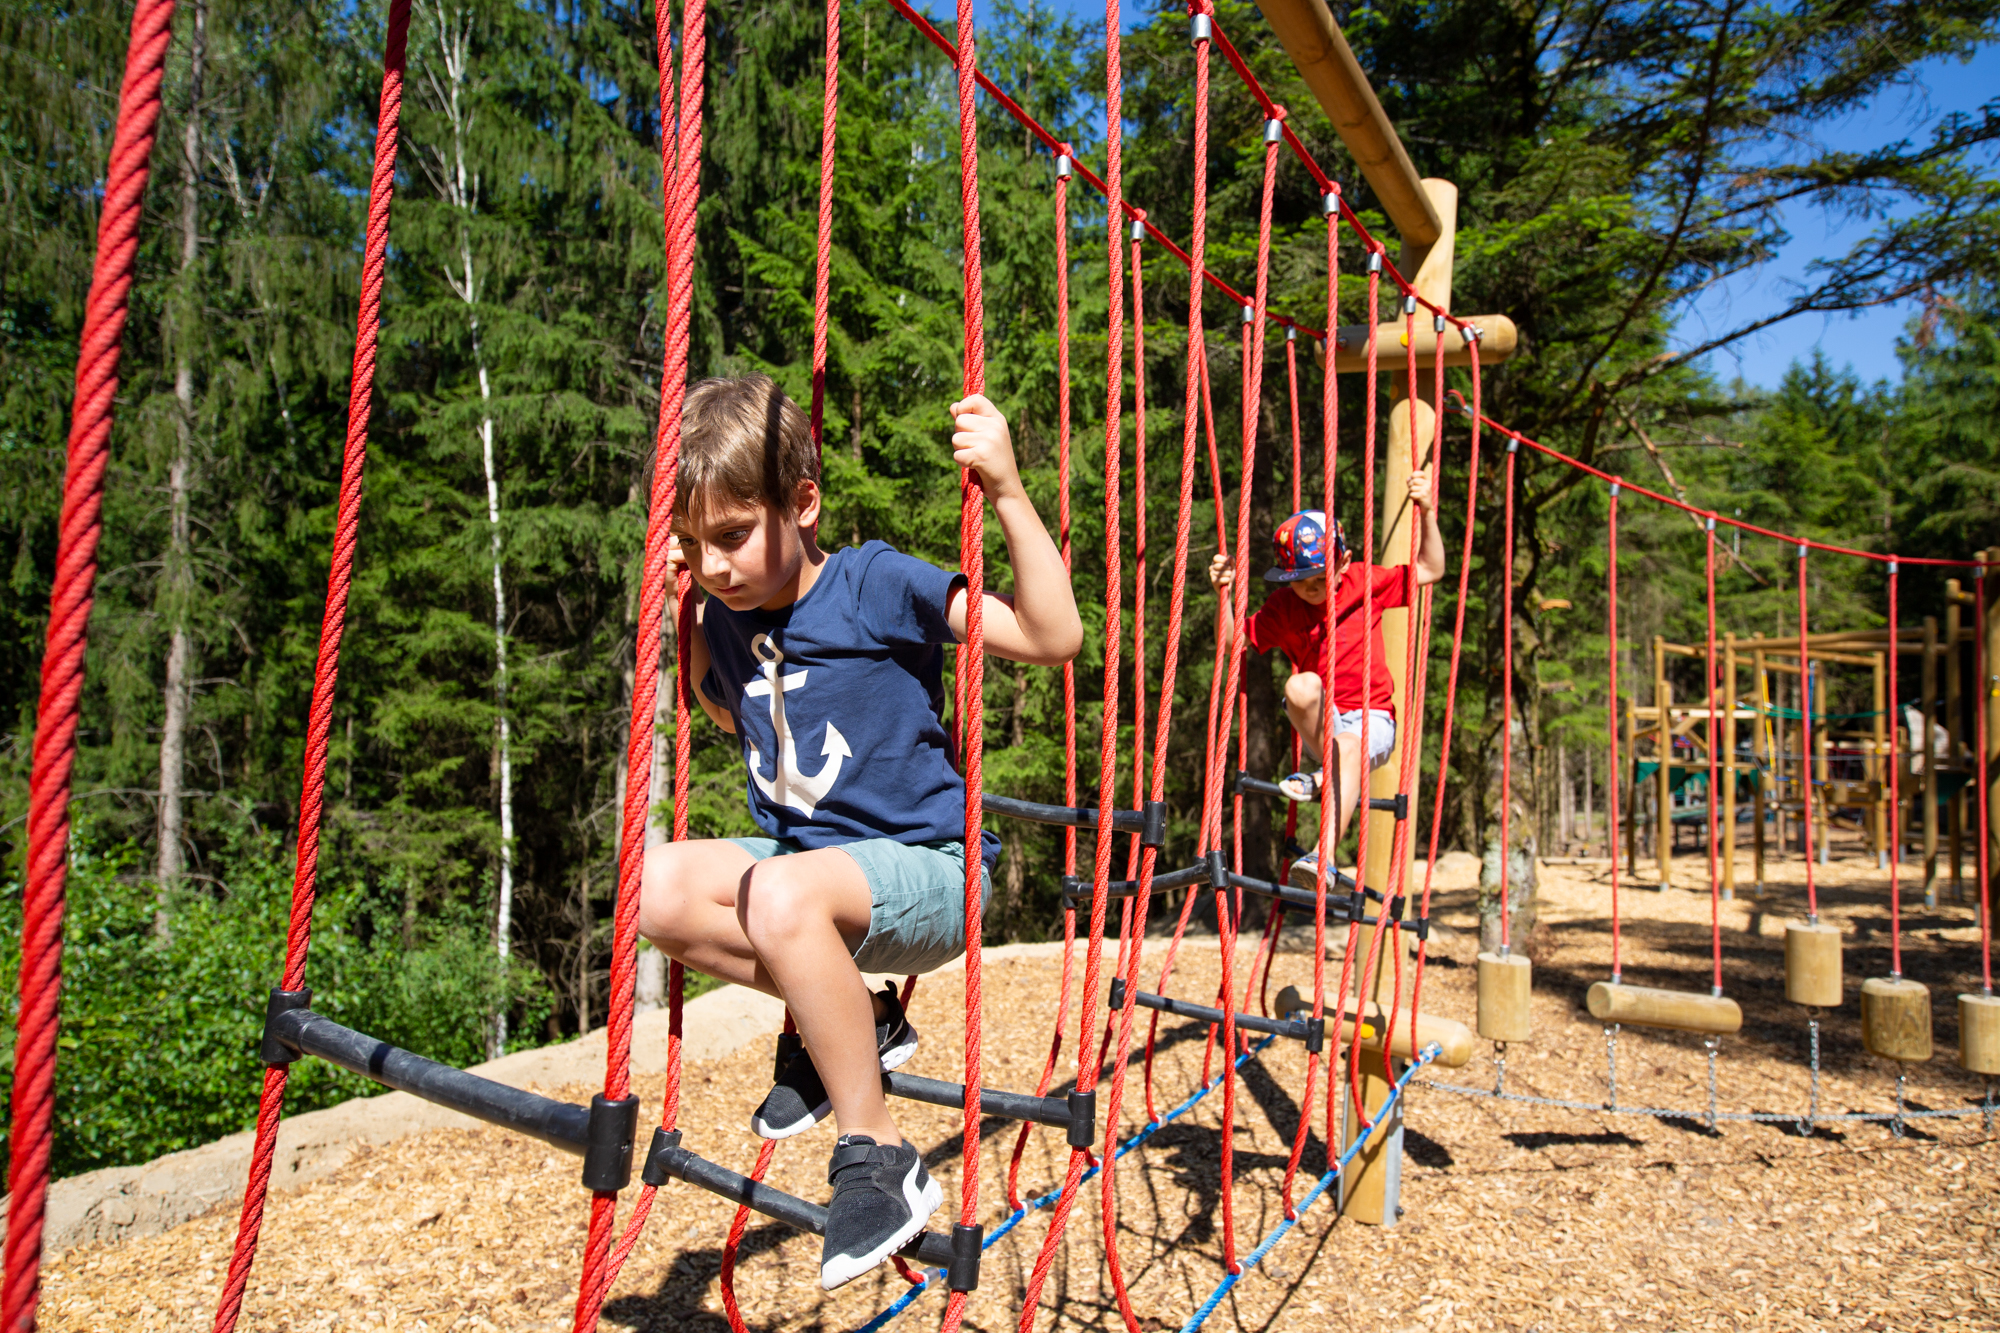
(1305, 28)
(1498, 339)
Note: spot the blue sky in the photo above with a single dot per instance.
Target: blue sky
(1866, 342)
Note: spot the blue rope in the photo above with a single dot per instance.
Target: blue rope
(904, 1301)
(1270, 1242)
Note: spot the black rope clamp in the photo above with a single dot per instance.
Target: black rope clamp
(1153, 824)
(1117, 993)
(1218, 870)
(270, 1050)
(1396, 908)
(1082, 1118)
(1357, 906)
(967, 1244)
(665, 1158)
(1420, 926)
(607, 1147)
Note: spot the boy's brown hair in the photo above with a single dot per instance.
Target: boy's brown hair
(743, 439)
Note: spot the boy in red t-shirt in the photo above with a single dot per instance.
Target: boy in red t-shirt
(1293, 619)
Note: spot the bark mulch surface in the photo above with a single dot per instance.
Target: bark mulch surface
(1518, 1216)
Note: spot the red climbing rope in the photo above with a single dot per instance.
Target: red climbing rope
(1980, 668)
(381, 191)
(1895, 796)
(1611, 712)
(829, 117)
(1714, 772)
(971, 668)
(33, 1097)
(1506, 874)
(1805, 745)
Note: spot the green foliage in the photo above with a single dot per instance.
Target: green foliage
(158, 1050)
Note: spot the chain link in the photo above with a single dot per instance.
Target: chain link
(1611, 1064)
(1713, 1044)
(1812, 1102)
(1897, 1126)
(1499, 1069)
(1988, 1108)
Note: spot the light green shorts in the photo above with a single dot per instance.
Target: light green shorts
(916, 917)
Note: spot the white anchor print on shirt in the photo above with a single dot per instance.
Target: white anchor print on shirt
(790, 787)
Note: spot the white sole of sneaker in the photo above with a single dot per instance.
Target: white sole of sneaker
(898, 1053)
(922, 1200)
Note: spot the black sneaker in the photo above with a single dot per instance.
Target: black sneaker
(882, 1196)
(798, 1100)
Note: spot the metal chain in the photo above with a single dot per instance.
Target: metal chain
(1611, 1063)
(1499, 1069)
(1896, 1126)
(1812, 1103)
(1713, 1044)
(1989, 1108)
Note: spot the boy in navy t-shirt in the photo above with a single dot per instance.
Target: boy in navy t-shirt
(828, 668)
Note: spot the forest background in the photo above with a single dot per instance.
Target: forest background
(1614, 161)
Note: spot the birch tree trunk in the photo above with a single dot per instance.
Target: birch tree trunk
(461, 190)
(178, 574)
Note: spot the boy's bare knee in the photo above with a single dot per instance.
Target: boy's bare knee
(664, 881)
(1303, 689)
(780, 899)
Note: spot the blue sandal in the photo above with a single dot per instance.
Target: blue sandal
(1307, 782)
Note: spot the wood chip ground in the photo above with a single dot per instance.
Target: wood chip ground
(1519, 1217)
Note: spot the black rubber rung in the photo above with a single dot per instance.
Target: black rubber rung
(992, 1101)
(1308, 1030)
(562, 1125)
(1067, 816)
(669, 1161)
(1337, 909)
(1399, 804)
(271, 1050)
(607, 1150)
(1076, 889)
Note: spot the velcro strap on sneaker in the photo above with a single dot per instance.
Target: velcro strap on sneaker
(851, 1154)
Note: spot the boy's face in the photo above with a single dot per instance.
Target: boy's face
(750, 555)
(1312, 591)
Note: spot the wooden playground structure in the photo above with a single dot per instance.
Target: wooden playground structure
(1762, 703)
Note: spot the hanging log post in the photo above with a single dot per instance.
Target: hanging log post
(1652, 1007)
(1896, 1019)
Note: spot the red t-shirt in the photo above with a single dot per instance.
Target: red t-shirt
(1290, 623)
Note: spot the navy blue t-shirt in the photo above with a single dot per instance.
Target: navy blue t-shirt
(839, 700)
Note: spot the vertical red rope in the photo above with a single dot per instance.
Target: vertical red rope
(1980, 668)
(1507, 703)
(1063, 172)
(381, 191)
(823, 259)
(63, 659)
(1138, 531)
(1611, 712)
(972, 653)
(681, 151)
(1805, 745)
(1895, 705)
(1714, 772)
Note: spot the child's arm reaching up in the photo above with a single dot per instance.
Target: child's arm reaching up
(1038, 624)
(1430, 553)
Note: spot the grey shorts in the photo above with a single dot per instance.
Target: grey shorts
(916, 917)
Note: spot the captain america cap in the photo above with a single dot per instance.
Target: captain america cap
(1301, 541)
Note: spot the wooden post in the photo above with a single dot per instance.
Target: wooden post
(1663, 814)
(1761, 743)
(1629, 783)
(1877, 768)
(1370, 1188)
(1727, 766)
(1822, 766)
(1991, 701)
(1922, 745)
(1589, 803)
(1954, 726)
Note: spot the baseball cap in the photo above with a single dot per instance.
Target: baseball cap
(1302, 543)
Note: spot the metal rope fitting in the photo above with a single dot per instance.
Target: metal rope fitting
(1138, 230)
(1329, 203)
(1711, 523)
(1802, 550)
(1410, 303)
(1513, 446)
(1614, 492)
(1200, 28)
(1064, 166)
(1291, 333)
(1249, 314)
(1437, 324)
(1274, 130)
(1374, 261)
(1892, 566)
